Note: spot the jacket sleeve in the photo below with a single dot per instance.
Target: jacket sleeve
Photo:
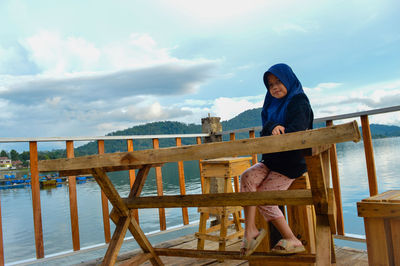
(267, 128)
(299, 115)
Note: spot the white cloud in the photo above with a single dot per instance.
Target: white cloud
(227, 108)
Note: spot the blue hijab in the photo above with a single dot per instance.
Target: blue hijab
(275, 109)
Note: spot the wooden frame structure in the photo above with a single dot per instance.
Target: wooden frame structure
(122, 213)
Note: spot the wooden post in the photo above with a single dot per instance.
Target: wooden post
(132, 178)
(37, 213)
(198, 141)
(104, 201)
(161, 211)
(369, 156)
(336, 186)
(1, 241)
(181, 172)
(73, 206)
(254, 156)
(236, 178)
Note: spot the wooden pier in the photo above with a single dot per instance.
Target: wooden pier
(36, 202)
(344, 256)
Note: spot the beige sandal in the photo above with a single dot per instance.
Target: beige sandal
(248, 248)
(285, 246)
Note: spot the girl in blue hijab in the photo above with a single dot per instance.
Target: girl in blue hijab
(286, 109)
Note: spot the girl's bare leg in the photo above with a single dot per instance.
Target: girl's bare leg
(282, 226)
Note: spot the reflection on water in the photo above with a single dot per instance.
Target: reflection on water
(17, 218)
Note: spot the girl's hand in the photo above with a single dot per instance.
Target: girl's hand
(278, 130)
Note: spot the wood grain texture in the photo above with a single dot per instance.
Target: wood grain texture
(317, 177)
(252, 135)
(37, 213)
(369, 156)
(234, 255)
(336, 185)
(73, 202)
(116, 241)
(182, 187)
(104, 201)
(285, 197)
(285, 142)
(160, 192)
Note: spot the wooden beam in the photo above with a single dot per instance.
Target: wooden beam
(104, 201)
(73, 202)
(316, 173)
(235, 255)
(376, 210)
(336, 185)
(369, 156)
(160, 192)
(281, 197)
(37, 213)
(137, 260)
(116, 241)
(181, 172)
(270, 144)
(140, 238)
(132, 177)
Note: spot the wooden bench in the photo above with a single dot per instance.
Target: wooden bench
(121, 215)
(382, 227)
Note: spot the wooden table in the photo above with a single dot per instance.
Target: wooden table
(382, 227)
(121, 215)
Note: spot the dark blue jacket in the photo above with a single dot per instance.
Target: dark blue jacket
(299, 116)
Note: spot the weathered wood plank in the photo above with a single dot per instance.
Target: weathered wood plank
(132, 176)
(285, 197)
(369, 156)
(285, 142)
(373, 209)
(160, 192)
(182, 188)
(376, 233)
(105, 169)
(316, 172)
(116, 241)
(37, 213)
(73, 202)
(234, 255)
(104, 201)
(336, 185)
(137, 260)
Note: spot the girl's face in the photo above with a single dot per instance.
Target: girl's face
(276, 87)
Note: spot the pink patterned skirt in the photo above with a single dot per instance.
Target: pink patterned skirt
(260, 178)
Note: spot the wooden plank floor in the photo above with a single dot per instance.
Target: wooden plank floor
(345, 256)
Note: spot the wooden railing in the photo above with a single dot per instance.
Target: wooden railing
(37, 218)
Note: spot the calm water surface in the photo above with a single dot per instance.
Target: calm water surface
(17, 217)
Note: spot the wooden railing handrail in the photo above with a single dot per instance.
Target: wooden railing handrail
(285, 142)
(94, 138)
(325, 119)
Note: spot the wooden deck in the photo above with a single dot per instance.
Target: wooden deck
(345, 256)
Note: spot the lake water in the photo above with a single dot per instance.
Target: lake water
(17, 217)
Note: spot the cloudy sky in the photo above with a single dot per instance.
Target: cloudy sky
(80, 68)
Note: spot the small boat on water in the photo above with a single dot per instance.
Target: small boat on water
(48, 183)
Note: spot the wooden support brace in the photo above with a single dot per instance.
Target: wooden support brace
(116, 241)
(235, 255)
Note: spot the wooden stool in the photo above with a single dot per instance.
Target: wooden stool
(305, 230)
(218, 174)
(382, 227)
